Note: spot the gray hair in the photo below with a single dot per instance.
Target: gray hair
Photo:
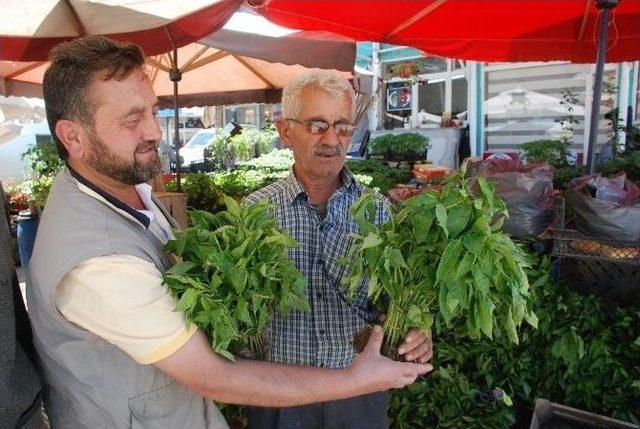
(331, 82)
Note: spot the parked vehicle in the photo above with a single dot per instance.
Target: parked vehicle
(193, 151)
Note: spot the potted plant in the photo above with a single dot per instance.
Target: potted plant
(44, 163)
(404, 147)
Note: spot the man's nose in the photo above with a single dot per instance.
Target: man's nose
(331, 136)
(152, 129)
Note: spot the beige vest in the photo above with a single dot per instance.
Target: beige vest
(90, 383)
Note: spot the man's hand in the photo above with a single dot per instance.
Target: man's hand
(381, 372)
(417, 346)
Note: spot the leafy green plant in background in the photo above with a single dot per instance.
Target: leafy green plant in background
(202, 192)
(234, 275)
(257, 141)
(44, 163)
(42, 158)
(226, 150)
(38, 189)
(446, 399)
(552, 152)
(411, 144)
(240, 183)
(221, 150)
(243, 147)
(568, 121)
(363, 179)
(276, 160)
(562, 176)
(442, 256)
(629, 163)
(383, 177)
(632, 140)
(582, 354)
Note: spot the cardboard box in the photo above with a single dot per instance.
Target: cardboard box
(176, 204)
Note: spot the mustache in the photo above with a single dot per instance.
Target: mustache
(326, 150)
(147, 145)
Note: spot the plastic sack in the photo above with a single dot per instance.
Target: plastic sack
(606, 208)
(527, 191)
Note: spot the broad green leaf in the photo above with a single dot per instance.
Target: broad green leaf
(487, 192)
(237, 277)
(448, 263)
(484, 314)
(458, 218)
(188, 300)
(458, 290)
(242, 313)
(474, 243)
(481, 282)
(181, 268)
(441, 216)
(569, 347)
(232, 206)
(396, 259)
(531, 319)
(497, 225)
(427, 321)
(224, 353)
(511, 327)
(414, 316)
(371, 240)
(465, 265)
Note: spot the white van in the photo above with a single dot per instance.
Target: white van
(193, 151)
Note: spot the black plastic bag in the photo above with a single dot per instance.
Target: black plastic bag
(527, 191)
(606, 208)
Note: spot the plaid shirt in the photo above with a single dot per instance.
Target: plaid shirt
(323, 336)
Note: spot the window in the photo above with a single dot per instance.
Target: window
(431, 97)
(524, 104)
(244, 115)
(459, 88)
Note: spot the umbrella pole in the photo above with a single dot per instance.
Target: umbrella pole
(604, 6)
(175, 75)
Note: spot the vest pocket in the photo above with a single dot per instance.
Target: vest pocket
(168, 406)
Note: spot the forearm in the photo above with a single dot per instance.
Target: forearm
(277, 385)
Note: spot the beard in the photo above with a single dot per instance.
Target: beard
(107, 163)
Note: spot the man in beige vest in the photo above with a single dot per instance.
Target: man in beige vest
(113, 350)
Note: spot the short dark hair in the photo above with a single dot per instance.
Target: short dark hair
(73, 67)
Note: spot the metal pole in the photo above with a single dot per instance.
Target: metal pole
(175, 75)
(604, 6)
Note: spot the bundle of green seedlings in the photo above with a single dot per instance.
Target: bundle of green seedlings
(442, 255)
(234, 274)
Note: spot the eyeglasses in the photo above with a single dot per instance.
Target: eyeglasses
(318, 126)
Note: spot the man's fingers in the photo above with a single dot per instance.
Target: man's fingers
(414, 339)
(413, 371)
(423, 351)
(375, 340)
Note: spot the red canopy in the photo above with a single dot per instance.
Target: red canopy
(487, 30)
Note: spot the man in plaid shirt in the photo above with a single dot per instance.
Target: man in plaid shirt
(312, 204)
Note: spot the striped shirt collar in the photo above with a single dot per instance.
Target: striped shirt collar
(295, 190)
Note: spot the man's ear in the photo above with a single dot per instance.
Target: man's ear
(284, 130)
(72, 136)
